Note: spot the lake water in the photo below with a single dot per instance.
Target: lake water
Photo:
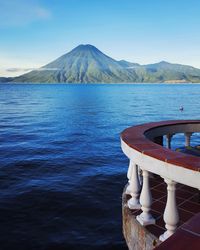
(62, 171)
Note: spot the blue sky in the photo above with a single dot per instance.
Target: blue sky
(35, 32)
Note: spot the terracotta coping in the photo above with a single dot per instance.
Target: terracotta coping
(135, 138)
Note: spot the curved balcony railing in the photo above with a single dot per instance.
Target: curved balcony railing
(143, 145)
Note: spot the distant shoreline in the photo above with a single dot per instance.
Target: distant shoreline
(125, 83)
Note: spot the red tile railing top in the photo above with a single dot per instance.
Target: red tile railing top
(136, 137)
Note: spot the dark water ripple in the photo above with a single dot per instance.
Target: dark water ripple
(62, 171)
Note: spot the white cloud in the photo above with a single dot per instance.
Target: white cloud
(42, 13)
(5, 73)
(48, 69)
(14, 71)
(21, 12)
(29, 69)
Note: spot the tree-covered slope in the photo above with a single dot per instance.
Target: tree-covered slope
(164, 71)
(5, 79)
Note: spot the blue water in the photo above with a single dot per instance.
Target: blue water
(62, 171)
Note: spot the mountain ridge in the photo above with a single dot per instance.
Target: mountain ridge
(87, 64)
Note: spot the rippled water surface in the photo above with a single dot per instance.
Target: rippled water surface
(62, 171)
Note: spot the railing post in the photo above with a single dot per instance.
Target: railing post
(187, 138)
(129, 173)
(140, 175)
(171, 216)
(134, 188)
(168, 140)
(145, 218)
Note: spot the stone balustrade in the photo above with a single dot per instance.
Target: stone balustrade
(143, 145)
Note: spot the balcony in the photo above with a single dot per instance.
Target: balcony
(161, 199)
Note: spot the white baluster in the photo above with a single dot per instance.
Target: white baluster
(129, 173)
(168, 140)
(140, 175)
(145, 218)
(133, 203)
(187, 139)
(171, 216)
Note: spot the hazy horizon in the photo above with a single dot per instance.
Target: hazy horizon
(37, 32)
